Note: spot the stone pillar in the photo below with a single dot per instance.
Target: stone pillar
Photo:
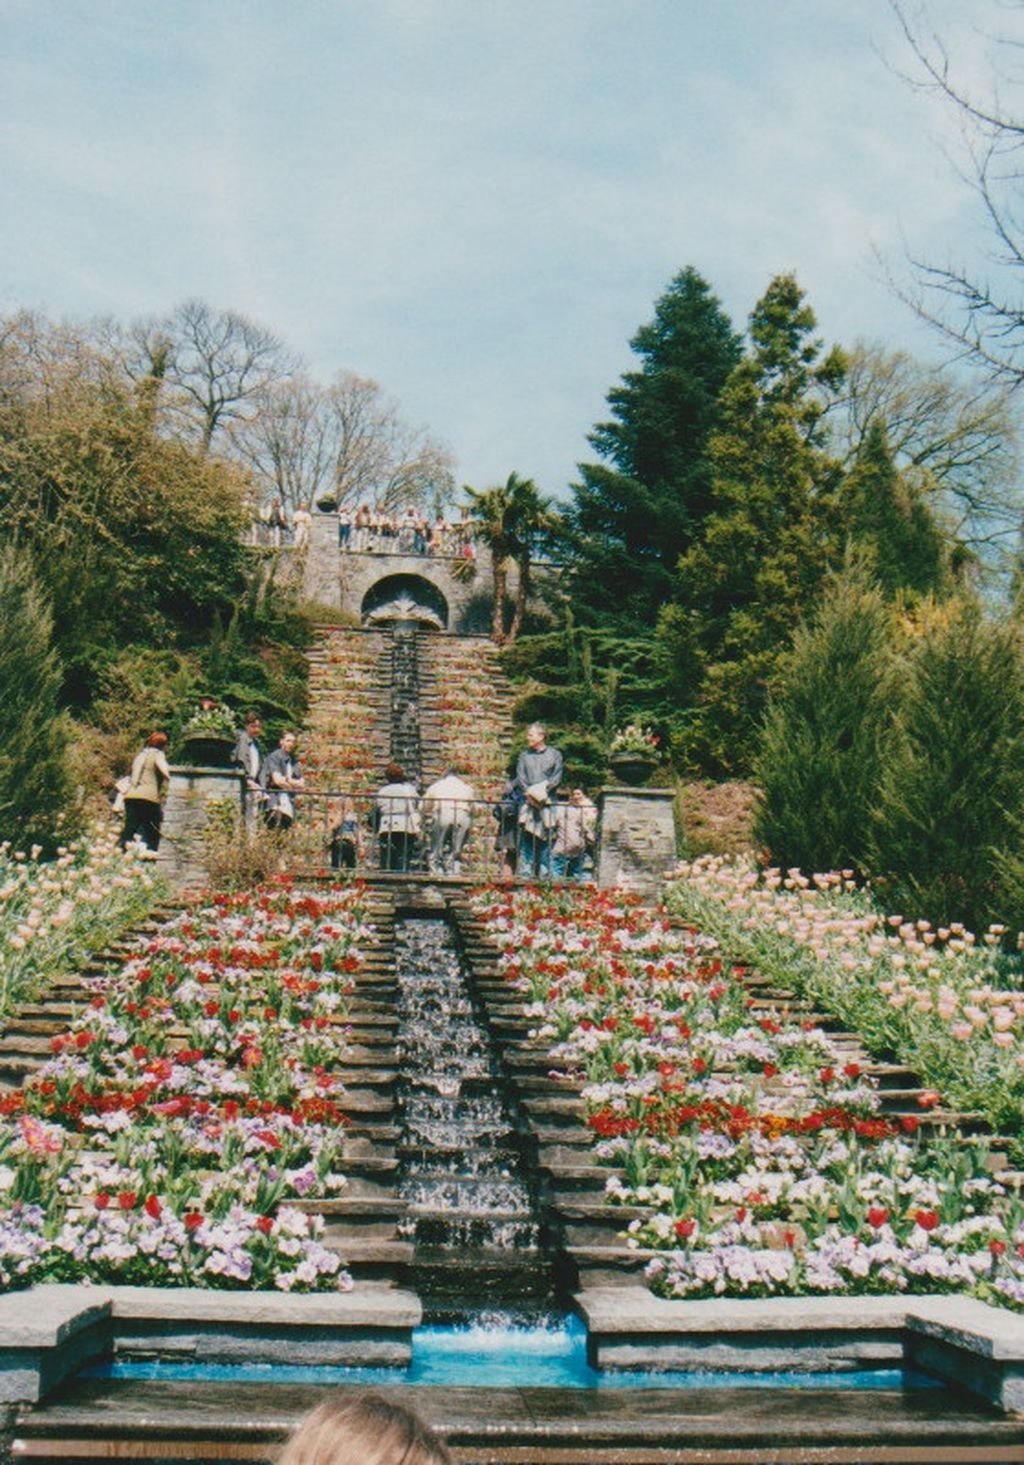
(321, 578)
(181, 841)
(636, 838)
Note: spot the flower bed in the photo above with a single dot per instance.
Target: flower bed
(752, 1153)
(55, 913)
(189, 1103)
(938, 999)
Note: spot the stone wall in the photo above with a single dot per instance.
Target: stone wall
(191, 792)
(637, 838)
(344, 580)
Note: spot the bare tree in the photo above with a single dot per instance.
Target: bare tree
(290, 442)
(953, 439)
(381, 458)
(980, 318)
(220, 364)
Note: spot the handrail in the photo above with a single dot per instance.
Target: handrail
(448, 835)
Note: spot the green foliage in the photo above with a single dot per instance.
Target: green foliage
(136, 540)
(951, 800)
(818, 764)
(768, 538)
(888, 518)
(34, 781)
(637, 511)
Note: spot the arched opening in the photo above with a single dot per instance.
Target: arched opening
(409, 598)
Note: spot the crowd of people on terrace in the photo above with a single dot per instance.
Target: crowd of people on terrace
(536, 829)
(369, 529)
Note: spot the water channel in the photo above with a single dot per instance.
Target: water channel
(471, 1201)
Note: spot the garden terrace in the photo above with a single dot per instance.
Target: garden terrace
(466, 711)
(196, 1120)
(545, 972)
(740, 1146)
(936, 997)
(348, 727)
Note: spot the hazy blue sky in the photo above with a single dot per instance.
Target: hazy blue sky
(474, 201)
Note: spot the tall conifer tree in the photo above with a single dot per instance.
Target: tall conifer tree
(769, 536)
(636, 512)
(892, 523)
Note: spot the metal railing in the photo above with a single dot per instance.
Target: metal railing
(448, 837)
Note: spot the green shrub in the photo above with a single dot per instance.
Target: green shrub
(35, 784)
(951, 796)
(818, 763)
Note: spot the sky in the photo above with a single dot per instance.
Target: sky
(477, 202)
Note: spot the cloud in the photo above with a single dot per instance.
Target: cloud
(475, 203)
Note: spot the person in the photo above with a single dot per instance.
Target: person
(506, 811)
(301, 520)
(397, 819)
(348, 848)
(448, 801)
(538, 774)
(248, 755)
(281, 778)
(369, 1430)
(361, 528)
(144, 798)
(574, 834)
(344, 526)
(278, 522)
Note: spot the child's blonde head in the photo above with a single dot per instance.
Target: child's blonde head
(364, 1431)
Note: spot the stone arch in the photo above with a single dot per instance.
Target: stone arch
(405, 597)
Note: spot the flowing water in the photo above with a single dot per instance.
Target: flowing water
(471, 1208)
(496, 1352)
(405, 702)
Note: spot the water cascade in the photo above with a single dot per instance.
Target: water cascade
(472, 1205)
(405, 701)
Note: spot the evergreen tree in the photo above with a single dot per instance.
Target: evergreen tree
(818, 763)
(635, 512)
(34, 780)
(888, 517)
(951, 797)
(768, 538)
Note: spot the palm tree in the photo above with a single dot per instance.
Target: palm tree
(532, 517)
(509, 516)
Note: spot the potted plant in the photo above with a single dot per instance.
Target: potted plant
(208, 737)
(633, 754)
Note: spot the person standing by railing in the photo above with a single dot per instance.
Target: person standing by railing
(397, 819)
(448, 804)
(539, 771)
(281, 778)
(301, 520)
(575, 827)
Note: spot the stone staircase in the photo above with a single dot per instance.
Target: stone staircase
(363, 1224)
(26, 1036)
(586, 1229)
(466, 711)
(347, 739)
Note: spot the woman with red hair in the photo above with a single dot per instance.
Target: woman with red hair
(144, 797)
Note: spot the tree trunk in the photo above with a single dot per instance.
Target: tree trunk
(498, 613)
(522, 594)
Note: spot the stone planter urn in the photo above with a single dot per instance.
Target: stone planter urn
(207, 750)
(632, 769)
